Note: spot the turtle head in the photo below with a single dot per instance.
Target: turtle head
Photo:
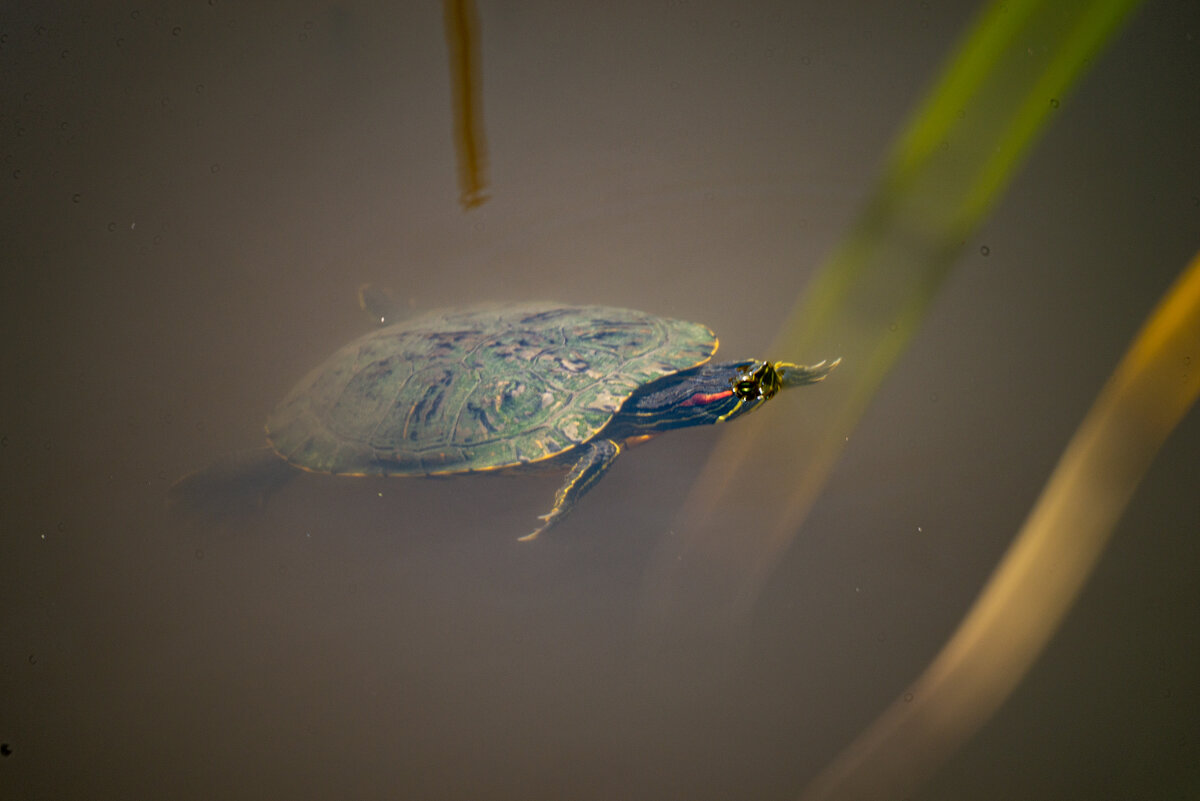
(753, 383)
(714, 393)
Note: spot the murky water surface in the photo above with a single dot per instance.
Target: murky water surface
(192, 194)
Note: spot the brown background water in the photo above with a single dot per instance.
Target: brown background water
(192, 193)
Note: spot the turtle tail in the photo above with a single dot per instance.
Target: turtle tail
(233, 485)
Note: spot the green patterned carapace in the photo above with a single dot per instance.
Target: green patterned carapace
(478, 389)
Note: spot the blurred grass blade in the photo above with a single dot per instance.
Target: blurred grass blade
(1045, 568)
(947, 169)
(462, 40)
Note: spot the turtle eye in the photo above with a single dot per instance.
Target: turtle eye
(746, 389)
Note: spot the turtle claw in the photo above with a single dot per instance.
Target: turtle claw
(531, 536)
(549, 517)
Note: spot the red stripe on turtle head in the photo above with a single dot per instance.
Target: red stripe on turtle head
(705, 398)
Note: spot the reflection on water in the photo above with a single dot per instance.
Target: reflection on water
(368, 638)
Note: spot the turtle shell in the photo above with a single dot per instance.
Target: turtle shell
(478, 388)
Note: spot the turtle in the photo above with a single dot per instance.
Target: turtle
(522, 386)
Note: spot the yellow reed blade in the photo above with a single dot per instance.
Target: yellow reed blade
(1039, 578)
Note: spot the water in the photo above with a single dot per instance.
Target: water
(194, 194)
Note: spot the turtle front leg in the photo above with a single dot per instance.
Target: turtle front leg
(595, 458)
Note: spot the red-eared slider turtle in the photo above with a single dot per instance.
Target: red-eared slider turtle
(535, 385)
